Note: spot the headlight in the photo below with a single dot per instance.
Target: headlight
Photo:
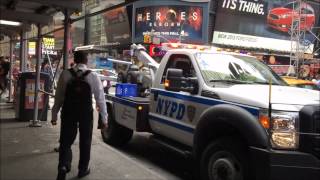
(284, 130)
(283, 16)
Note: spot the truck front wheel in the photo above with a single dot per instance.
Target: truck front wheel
(224, 159)
(116, 134)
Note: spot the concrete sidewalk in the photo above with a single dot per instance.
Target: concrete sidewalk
(27, 153)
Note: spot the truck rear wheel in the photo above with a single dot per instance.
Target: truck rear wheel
(116, 134)
(224, 159)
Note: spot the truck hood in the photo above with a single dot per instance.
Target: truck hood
(282, 97)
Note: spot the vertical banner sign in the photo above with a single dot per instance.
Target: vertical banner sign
(171, 23)
(32, 48)
(266, 24)
(29, 94)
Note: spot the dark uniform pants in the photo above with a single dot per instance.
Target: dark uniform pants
(68, 133)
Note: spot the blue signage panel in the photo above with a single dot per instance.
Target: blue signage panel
(104, 63)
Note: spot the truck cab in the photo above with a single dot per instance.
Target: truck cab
(235, 116)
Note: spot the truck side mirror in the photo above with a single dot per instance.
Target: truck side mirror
(175, 81)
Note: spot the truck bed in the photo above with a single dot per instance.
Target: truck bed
(131, 112)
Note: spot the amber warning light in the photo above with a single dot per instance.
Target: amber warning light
(166, 83)
(264, 121)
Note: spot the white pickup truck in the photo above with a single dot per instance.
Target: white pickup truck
(232, 114)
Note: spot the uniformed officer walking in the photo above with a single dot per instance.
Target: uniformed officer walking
(74, 94)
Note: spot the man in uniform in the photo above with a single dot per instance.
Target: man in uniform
(74, 115)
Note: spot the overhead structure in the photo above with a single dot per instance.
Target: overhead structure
(29, 12)
(299, 28)
(296, 52)
(16, 18)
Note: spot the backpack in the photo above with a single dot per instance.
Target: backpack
(78, 95)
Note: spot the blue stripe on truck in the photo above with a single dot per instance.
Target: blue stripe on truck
(172, 124)
(205, 101)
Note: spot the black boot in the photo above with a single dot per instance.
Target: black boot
(62, 173)
(83, 173)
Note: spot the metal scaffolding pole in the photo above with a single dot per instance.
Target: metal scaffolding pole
(298, 37)
(67, 23)
(295, 53)
(35, 122)
(23, 50)
(10, 70)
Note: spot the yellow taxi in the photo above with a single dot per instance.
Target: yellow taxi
(293, 81)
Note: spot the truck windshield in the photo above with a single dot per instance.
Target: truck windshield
(235, 69)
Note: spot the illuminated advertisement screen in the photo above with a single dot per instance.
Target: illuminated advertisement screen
(32, 48)
(48, 44)
(117, 25)
(170, 23)
(265, 24)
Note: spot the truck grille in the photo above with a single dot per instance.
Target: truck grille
(316, 122)
(310, 130)
(316, 127)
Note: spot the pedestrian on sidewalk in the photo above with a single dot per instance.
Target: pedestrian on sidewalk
(4, 70)
(74, 95)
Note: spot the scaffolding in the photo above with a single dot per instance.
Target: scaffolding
(300, 45)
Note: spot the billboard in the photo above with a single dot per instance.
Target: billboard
(265, 24)
(171, 23)
(117, 25)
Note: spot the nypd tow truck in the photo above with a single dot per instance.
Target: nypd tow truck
(232, 114)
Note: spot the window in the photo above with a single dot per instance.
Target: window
(179, 61)
(292, 5)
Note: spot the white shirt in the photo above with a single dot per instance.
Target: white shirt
(96, 88)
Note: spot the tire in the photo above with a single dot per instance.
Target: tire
(225, 159)
(116, 134)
